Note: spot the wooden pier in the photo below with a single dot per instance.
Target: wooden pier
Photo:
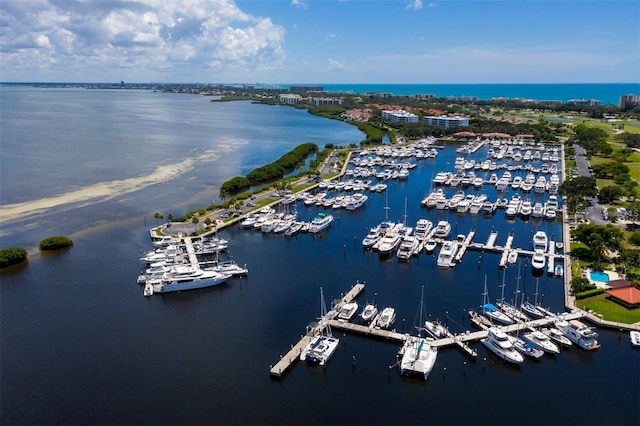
(293, 355)
(193, 259)
(460, 340)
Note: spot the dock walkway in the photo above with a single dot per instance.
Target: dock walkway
(293, 355)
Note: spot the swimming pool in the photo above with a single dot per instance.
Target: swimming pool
(601, 277)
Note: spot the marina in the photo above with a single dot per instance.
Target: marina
(192, 357)
(444, 338)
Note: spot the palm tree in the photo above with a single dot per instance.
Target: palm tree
(156, 215)
(195, 221)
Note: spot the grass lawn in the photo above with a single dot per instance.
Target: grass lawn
(634, 166)
(609, 310)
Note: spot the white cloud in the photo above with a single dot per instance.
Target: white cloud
(300, 4)
(158, 39)
(335, 64)
(415, 4)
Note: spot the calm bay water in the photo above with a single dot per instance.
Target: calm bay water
(81, 345)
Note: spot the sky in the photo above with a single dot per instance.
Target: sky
(320, 41)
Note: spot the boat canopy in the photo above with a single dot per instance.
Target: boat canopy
(489, 307)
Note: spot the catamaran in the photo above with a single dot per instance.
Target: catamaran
(322, 346)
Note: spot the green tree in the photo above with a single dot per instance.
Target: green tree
(12, 256)
(170, 217)
(609, 194)
(582, 186)
(634, 238)
(195, 221)
(599, 238)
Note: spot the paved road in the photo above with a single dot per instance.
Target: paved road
(594, 209)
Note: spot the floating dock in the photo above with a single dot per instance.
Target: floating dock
(293, 355)
(460, 340)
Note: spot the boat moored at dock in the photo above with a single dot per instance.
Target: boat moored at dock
(498, 342)
(579, 333)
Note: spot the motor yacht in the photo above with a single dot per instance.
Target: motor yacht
(348, 311)
(387, 318)
(498, 342)
(369, 312)
(542, 341)
(443, 229)
(538, 260)
(320, 222)
(579, 333)
(540, 241)
(446, 257)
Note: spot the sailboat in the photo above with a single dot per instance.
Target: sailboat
(419, 357)
(490, 311)
(322, 346)
(532, 309)
(508, 308)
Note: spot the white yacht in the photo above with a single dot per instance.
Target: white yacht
(540, 241)
(187, 278)
(538, 210)
(419, 357)
(526, 209)
(557, 336)
(356, 201)
(538, 260)
(446, 257)
(372, 237)
(434, 328)
(542, 341)
(498, 342)
(369, 312)
(228, 267)
(348, 311)
(423, 227)
(443, 229)
(408, 246)
(634, 338)
(579, 333)
(388, 243)
(387, 318)
(320, 222)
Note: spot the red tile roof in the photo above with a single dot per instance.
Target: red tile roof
(630, 295)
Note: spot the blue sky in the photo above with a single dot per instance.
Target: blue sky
(320, 41)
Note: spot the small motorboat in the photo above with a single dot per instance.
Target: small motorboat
(369, 312)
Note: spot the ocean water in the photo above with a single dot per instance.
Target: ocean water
(607, 93)
(81, 345)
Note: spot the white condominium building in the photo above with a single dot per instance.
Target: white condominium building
(290, 99)
(444, 121)
(399, 116)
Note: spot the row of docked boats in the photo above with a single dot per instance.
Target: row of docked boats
(323, 343)
(480, 204)
(534, 343)
(268, 221)
(178, 264)
(527, 184)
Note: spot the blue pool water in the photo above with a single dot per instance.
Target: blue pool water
(600, 277)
